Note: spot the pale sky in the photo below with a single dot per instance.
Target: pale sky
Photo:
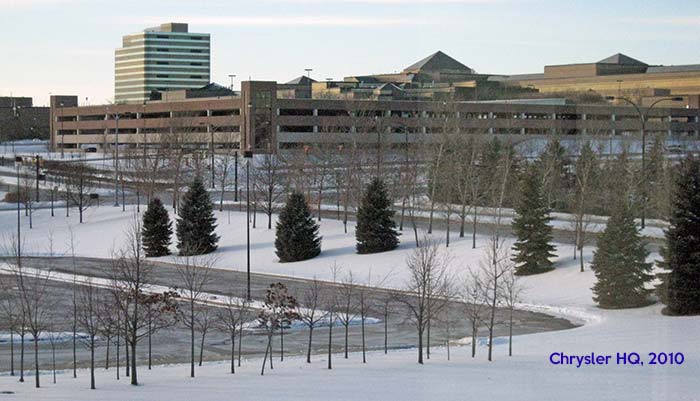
(67, 46)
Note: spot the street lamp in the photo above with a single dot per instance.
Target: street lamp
(232, 76)
(18, 163)
(643, 118)
(248, 155)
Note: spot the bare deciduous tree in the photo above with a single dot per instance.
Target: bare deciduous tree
(428, 282)
(194, 277)
(130, 278)
(309, 311)
(89, 321)
(511, 291)
(229, 318)
(475, 301)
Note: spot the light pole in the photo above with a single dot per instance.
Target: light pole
(18, 162)
(248, 155)
(643, 117)
(232, 76)
(235, 176)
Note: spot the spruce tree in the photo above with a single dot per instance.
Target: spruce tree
(196, 222)
(157, 229)
(619, 263)
(297, 233)
(531, 226)
(680, 287)
(376, 229)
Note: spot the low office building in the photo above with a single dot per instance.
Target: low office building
(258, 119)
(20, 119)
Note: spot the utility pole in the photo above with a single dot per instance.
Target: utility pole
(37, 159)
(235, 176)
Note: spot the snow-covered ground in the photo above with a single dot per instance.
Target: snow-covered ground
(528, 375)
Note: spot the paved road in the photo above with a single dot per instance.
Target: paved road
(171, 345)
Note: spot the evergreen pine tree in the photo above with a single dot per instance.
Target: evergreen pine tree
(297, 233)
(157, 229)
(619, 263)
(196, 222)
(680, 287)
(531, 226)
(376, 229)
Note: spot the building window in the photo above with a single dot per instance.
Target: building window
(161, 76)
(197, 64)
(160, 49)
(195, 51)
(195, 76)
(162, 63)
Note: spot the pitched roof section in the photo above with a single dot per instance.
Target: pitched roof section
(621, 59)
(436, 62)
(301, 80)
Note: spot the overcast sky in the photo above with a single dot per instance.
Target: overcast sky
(67, 46)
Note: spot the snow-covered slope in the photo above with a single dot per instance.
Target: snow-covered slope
(528, 375)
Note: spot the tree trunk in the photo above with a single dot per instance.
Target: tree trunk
(420, 343)
(12, 354)
(580, 249)
(510, 332)
(107, 354)
(117, 348)
(447, 222)
(21, 357)
(308, 350)
(53, 361)
(36, 361)
(364, 348)
(150, 332)
(330, 340)
(492, 320)
(75, 329)
(269, 344)
(201, 348)
(346, 324)
(191, 338)
(427, 338)
(386, 329)
(474, 229)
(240, 343)
(474, 331)
(134, 377)
(281, 343)
(233, 350)
(92, 362)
